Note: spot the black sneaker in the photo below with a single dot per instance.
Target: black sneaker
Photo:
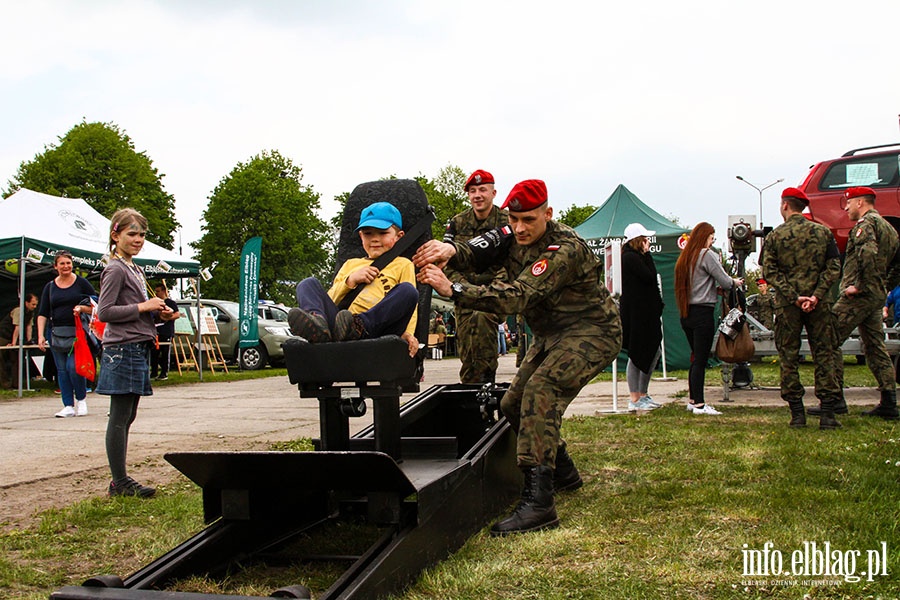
(162, 378)
(348, 327)
(310, 326)
(130, 487)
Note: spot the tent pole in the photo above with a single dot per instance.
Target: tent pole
(662, 330)
(22, 323)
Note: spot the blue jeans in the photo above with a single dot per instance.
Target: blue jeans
(389, 317)
(72, 386)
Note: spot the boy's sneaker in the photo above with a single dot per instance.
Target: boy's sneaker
(67, 411)
(310, 326)
(81, 408)
(706, 410)
(348, 327)
(162, 377)
(130, 487)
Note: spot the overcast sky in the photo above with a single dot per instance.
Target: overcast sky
(671, 99)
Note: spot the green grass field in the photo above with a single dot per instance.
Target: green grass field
(673, 507)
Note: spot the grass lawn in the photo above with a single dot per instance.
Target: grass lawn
(674, 506)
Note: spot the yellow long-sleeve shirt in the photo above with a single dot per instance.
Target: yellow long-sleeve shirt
(399, 270)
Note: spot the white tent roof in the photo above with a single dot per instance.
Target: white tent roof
(35, 226)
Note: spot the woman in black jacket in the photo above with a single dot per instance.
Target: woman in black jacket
(641, 307)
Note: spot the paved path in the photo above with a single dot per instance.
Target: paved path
(51, 462)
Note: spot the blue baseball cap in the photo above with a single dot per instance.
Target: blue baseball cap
(380, 215)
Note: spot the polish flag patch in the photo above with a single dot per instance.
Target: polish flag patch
(553, 247)
(538, 268)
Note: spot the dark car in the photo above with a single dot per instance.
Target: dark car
(877, 167)
(273, 331)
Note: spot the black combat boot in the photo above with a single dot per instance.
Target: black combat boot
(887, 408)
(798, 415)
(565, 476)
(536, 509)
(827, 411)
(840, 408)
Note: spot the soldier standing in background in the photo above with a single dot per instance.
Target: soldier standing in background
(802, 262)
(476, 331)
(765, 304)
(871, 248)
(552, 277)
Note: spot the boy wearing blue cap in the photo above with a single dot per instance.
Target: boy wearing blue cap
(387, 303)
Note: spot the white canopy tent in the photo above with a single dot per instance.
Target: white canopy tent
(35, 226)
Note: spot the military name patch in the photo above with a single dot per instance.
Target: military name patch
(539, 267)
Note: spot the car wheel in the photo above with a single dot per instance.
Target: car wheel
(254, 358)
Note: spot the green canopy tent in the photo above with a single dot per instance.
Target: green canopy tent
(608, 223)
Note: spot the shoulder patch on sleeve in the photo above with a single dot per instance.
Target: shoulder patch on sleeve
(553, 247)
(538, 268)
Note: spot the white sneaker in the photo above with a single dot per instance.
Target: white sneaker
(81, 408)
(642, 404)
(706, 410)
(650, 401)
(67, 411)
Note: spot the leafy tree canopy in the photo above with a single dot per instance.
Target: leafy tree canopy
(446, 195)
(98, 162)
(264, 197)
(576, 215)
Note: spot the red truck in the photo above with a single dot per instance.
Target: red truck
(877, 167)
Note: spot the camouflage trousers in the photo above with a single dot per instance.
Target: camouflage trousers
(542, 389)
(476, 339)
(864, 313)
(821, 335)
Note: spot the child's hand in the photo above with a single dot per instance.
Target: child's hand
(412, 342)
(151, 305)
(363, 276)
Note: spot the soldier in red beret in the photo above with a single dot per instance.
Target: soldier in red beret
(476, 330)
(870, 269)
(554, 279)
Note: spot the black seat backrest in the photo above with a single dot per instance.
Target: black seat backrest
(409, 198)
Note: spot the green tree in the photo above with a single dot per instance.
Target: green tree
(266, 197)
(445, 194)
(98, 162)
(576, 215)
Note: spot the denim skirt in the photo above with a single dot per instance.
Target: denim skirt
(125, 369)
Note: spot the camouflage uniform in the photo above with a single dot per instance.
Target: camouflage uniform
(802, 259)
(476, 331)
(765, 306)
(871, 245)
(556, 284)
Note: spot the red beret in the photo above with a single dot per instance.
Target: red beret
(526, 195)
(793, 192)
(761, 281)
(858, 191)
(477, 178)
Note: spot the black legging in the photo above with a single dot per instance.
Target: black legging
(700, 327)
(122, 412)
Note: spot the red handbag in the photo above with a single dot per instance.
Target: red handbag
(84, 358)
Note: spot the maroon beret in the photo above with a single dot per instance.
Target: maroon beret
(793, 192)
(477, 178)
(858, 191)
(526, 195)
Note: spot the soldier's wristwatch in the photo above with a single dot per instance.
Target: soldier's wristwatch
(456, 289)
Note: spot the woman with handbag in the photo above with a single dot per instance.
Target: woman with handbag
(697, 273)
(60, 305)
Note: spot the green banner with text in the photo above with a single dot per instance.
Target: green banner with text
(249, 293)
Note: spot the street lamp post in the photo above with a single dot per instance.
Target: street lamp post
(760, 190)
